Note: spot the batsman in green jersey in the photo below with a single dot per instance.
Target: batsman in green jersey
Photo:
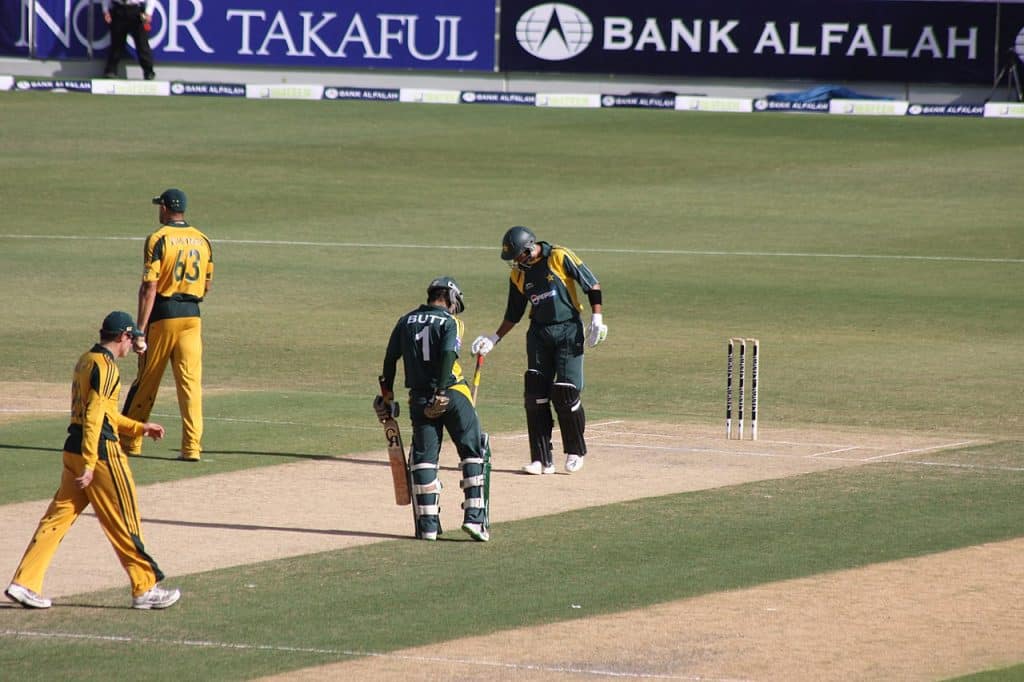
(545, 276)
(428, 340)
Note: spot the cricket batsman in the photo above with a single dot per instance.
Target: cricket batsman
(428, 340)
(545, 276)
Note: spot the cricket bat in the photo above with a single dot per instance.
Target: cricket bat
(396, 453)
(476, 377)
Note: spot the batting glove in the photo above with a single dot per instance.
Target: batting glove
(384, 409)
(437, 405)
(484, 344)
(597, 332)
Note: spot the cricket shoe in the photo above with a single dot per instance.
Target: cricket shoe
(477, 531)
(536, 468)
(156, 598)
(573, 463)
(26, 597)
(429, 535)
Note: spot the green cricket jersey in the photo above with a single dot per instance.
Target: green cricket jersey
(421, 337)
(549, 286)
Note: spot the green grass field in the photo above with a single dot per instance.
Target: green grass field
(880, 262)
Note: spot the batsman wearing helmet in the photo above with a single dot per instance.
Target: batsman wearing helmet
(428, 340)
(545, 276)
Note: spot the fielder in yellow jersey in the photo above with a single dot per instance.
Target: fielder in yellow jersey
(96, 472)
(177, 274)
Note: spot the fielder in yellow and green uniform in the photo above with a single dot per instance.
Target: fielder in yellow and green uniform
(177, 274)
(96, 472)
(428, 340)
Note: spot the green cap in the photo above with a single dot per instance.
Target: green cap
(173, 199)
(119, 321)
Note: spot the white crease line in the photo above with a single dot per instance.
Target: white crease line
(832, 452)
(852, 460)
(818, 445)
(359, 654)
(208, 418)
(523, 436)
(765, 441)
(712, 451)
(649, 252)
(945, 446)
(991, 467)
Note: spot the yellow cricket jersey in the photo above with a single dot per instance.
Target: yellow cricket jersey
(179, 258)
(95, 417)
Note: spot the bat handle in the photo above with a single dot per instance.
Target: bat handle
(388, 395)
(476, 377)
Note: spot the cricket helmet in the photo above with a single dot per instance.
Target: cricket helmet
(517, 241)
(451, 289)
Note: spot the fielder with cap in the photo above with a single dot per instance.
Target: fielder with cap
(96, 472)
(177, 272)
(429, 339)
(545, 276)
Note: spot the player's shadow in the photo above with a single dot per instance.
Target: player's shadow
(35, 448)
(277, 529)
(299, 455)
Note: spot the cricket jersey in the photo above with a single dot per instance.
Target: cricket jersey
(549, 286)
(421, 337)
(95, 423)
(179, 258)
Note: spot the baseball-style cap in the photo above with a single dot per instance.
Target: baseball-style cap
(173, 199)
(119, 321)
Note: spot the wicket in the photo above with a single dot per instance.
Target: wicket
(755, 346)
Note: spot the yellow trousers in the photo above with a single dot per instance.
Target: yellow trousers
(178, 341)
(113, 499)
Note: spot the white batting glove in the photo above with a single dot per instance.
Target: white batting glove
(597, 332)
(484, 344)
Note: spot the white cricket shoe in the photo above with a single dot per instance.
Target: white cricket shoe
(536, 469)
(156, 598)
(26, 597)
(428, 535)
(573, 463)
(477, 531)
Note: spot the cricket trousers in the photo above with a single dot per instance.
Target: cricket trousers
(177, 341)
(463, 428)
(113, 499)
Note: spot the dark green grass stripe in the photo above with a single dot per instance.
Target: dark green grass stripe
(1012, 674)
(394, 595)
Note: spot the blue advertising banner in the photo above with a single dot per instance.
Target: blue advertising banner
(13, 38)
(391, 34)
(884, 40)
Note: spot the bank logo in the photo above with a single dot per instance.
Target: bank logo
(554, 31)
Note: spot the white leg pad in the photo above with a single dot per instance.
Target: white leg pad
(427, 488)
